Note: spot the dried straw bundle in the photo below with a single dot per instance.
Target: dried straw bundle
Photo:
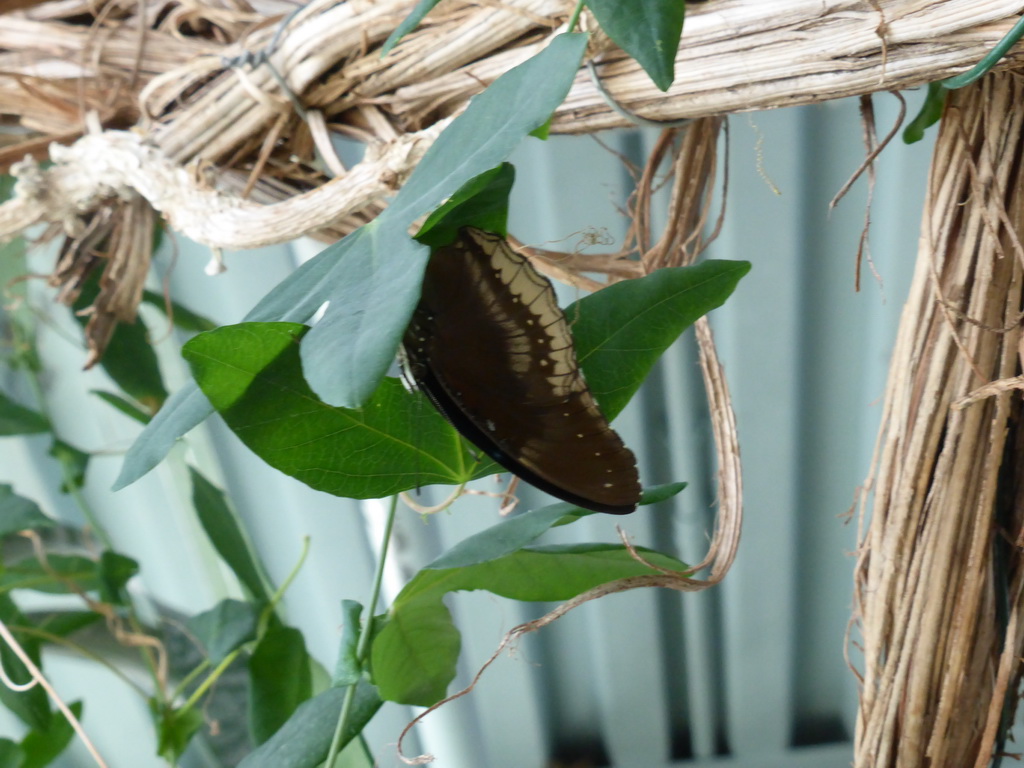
(940, 579)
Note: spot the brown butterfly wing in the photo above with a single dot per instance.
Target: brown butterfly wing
(492, 349)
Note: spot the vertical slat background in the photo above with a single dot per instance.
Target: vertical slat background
(750, 674)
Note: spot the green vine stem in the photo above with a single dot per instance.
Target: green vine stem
(574, 20)
(365, 632)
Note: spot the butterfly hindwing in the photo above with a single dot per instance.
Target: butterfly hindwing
(491, 348)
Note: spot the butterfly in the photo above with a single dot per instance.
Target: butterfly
(492, 350)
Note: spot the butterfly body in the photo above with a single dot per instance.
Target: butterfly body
(492, 350)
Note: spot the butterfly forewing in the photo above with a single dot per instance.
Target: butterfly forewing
(491, 348)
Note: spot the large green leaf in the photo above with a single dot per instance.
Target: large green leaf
(622, 330)
(359, 339)
(251, 373)
(397, 441)
(279, 681)
(413, 657)
(519, 530)
(372, 298)
(228, 535)
(648, 30)
(303, 741)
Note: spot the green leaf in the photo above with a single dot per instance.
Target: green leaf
(182, 317)
(175, 729)
(348, 670)
(182, 411)
(623, 329)
(20, 514)
(648, 30)
(225, 627)
(31, 705)
(372, 296)
(482, 203)
(228, 536)
(543, 131)
(66, 623)
(11, 754)
(929, 114)
(55, 578)
(114, 571)
(125, 406)
(414, 656)
(303, 742)
(42, 747)
(423, 7)
(377, 265)
(397, 441)
(129, 358)
(279, 681)
(18, 420)
(75, 461)
(516, 532)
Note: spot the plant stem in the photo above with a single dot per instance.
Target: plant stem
(991, 59)
(575, 18)
(365, 632)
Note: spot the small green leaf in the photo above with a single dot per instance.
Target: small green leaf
(543, 131)
(31, 705)
(11, 754)
(75, 462)
(482, 203)
(129, 358)
(648, 30)
(223, 628)
(60, 573)
(516, 532)
(303, 741)
(114, 572)
(228, 536)
(125, 406)
(397, 441)
(423, 7)
(183, 318)
(20, 514)
(175, 729)
(414, 656)
(929, 114)
(42, 747)
(348, 670)
(279, 681)
(622, 330)
(66, 623)
(18, 420)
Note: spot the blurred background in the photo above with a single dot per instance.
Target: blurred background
(750, 674)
